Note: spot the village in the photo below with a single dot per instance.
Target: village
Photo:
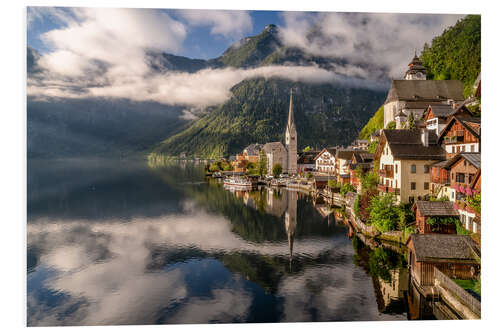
(415, 183)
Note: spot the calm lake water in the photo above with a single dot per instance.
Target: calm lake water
(117, 242)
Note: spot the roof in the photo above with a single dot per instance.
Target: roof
(436, 208)
(472, 158)
(444, 164)
(407, 145)
(331, 150)
(346, 154)
(436, 247)
(431, 90)
(253, 149)
(472, 124)
(307, 157)
(270, 146)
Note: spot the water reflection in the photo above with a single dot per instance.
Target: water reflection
(120, 243)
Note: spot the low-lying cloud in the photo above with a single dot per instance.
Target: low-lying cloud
(383, 39)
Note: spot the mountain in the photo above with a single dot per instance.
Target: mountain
(325, 114)
(454, 55)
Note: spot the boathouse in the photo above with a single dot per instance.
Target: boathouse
(457, 256)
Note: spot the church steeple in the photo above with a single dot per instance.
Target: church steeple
(291, 120)
(291, 140)
(416, 69)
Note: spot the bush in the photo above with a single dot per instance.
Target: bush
(309, 175)
(391, 125)
(346, 188)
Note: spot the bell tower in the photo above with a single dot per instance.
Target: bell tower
(291, 140)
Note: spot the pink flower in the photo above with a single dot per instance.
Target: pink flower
(474, 192)
(455, 186)
(461, 189)
(468, 191)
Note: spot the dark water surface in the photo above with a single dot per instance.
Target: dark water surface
(117, 242)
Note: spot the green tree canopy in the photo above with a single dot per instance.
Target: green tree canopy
(277, 169)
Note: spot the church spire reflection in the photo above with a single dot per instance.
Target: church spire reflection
(291, 221)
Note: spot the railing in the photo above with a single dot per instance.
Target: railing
(466, 298)
(388, 189)
(440, 180)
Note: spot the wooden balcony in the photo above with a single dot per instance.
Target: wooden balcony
(387, 171)
(388, 189)
(440, 180)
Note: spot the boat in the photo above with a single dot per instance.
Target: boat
(217, 175)
(237, 182)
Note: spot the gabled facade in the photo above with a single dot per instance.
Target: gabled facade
(405, 157)
(363, 161)
(306, 161)
(275, 153)
(343, 159)
(426, 209)
(461, 134)
(436, 116)
(325, 161)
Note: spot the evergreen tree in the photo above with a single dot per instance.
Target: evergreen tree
(262, 164)
(411, 122)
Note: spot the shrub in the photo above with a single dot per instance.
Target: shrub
(277, 169)
(384, 214)
(346, 188)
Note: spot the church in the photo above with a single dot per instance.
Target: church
(284, 155)
(415, 93)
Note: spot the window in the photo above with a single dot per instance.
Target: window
(460, 177)
(396, 168)
(411, 199)
(426, 186)
(453, 195)
(471, 176)
(413, 185)
(413, 168)
(426, 169)
(396, 185)
(472, 148)
(453, 149)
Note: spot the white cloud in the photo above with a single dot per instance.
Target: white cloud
(384, 40)
(229, 23)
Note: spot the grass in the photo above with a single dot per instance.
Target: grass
(474, 285)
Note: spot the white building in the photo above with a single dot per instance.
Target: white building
(325, 161)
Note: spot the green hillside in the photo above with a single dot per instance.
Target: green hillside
(257, 112)
(376, 122)
(456, 54)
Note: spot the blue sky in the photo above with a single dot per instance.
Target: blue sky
(199, 42)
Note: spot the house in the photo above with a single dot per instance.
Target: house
(306, 161)
(463, 171)
(415, 93)
(275, 153)
(360, 144)
(375, 136)
(440, 179)
(362, 161)
(457, 256)
(405, 157)
(461, 134)
(320, 182)
(426, 209)
(343, 159)
(436, 116)
(251, 152)
(325, 160)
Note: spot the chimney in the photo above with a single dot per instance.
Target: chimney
(424, 137)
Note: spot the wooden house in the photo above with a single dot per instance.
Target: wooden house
(426, 209)
(457, 256)
(343, 158)
(320, 182)
(461, 134)
(436, 116)
(364, 162)
(463, 168)
(306, 162)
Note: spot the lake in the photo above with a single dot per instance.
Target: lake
(118, 242)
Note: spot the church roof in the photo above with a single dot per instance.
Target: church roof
(291, 120)
(270, 146)
(425, 90)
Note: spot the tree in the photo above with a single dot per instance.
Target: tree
(384, 212)
(309, 175)
(262, 163)
(306, 149)
(391, 125)
(372, 148)
(277, 169)
(410, 124)
(332, 183)
(369, 181)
